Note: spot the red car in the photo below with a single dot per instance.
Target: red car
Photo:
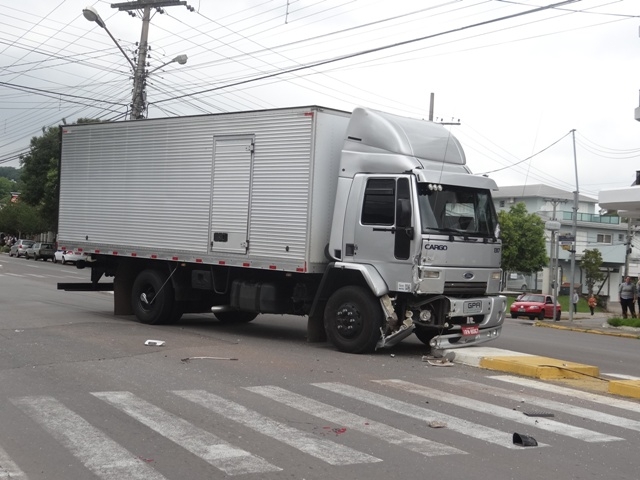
(534, 305)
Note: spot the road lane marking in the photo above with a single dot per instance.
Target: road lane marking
(592, 397)
(481, 432)
(346, 419)
(215, 451)
(502, 412)
(588, 413)
(621, 376)
(323, 449)
(9, 469)
(99, 453)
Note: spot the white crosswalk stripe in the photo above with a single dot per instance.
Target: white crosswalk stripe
(8, 468)
(543, 402)
(220, 454)
(326, 450)
(355, 422)
(553, 388)
(99, 453)
(503, 412)
(107, 460)
(426, 415)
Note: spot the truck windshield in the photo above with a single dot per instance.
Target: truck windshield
(457, 210)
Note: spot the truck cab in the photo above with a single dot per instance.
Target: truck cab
(421, 230)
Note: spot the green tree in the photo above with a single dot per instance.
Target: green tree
(11, 173)
(6, 187)
(523, 240)
(590, 265)
(21, 219)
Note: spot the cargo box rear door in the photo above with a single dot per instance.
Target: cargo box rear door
(230, 196)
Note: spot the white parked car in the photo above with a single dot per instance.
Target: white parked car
(66, 256)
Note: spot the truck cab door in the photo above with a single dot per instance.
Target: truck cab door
(384, 231)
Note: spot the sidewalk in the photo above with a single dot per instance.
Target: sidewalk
(584, 322)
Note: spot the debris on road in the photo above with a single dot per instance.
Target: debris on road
(524, 440)
(188, 359)
(155, 343)
(539, 414)
(440, 362)
(437, 424)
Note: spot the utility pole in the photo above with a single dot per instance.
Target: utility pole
(553, 226)
(576, 196)
(139, 75)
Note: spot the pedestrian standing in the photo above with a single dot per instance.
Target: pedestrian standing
(592, 303)
(574, 299)
(628, 294)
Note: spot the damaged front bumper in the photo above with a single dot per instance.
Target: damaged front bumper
(492, 311)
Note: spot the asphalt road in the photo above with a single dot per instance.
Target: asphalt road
(83, 397)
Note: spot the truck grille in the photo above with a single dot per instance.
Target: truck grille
(465, 288)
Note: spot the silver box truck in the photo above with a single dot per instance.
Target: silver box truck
(367, 223)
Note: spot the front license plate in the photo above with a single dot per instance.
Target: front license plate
(521, 309)
(470, 330)
(472, 306)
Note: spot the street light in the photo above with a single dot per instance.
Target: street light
(139, 73)
(180, 59)
(92, 15)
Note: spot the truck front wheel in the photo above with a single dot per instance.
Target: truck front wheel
(352, 319)
(152, 300)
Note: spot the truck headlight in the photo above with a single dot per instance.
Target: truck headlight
(496, 275)
(430, 274)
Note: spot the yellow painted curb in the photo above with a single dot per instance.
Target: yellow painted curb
(544, 368)
(626, 388)
(587, 330)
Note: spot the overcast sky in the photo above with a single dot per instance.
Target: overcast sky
(517, 80)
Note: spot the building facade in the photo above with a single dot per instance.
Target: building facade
(606, 233)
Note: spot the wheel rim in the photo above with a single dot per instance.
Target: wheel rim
(146, 297)
(349, 321)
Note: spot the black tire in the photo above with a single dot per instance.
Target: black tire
(54, 260)
(425, 335)
(513, 315)
(558, 315)
(352, 320)
(235, 317)
(541, 315)
(64, 262)
(532, 317)
(159, 306)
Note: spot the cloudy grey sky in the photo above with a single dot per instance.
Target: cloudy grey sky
(518, 78)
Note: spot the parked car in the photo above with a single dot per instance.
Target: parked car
(535, 306)
(40, 251)
(67, 256)
(18, 248)
(516, 282)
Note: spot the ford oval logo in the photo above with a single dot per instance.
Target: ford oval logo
(468, 275)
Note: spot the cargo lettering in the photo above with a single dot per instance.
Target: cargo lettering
(436, 247)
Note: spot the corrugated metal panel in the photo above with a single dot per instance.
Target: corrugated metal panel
(147, 184)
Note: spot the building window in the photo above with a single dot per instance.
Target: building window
(501, 203)
(604, 238)
(621, 237)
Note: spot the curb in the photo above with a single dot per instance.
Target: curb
(543, 368)
(586, 330)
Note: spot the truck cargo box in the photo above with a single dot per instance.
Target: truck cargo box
(254, 189)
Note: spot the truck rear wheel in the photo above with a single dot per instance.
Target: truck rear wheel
(235, 317)
(352, 319)
(152, 301)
